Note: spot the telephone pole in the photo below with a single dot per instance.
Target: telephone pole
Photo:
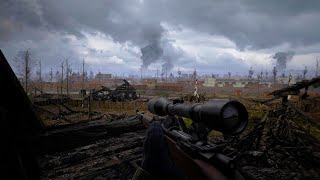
(61, 78)
(26, 71)
(82, 84)
(51, 76)
(157, 72)
(67, 76)
(166, 73)
(317, 67)
(27, 68)
(40, 78)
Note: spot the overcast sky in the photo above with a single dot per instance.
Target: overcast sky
(212, 36)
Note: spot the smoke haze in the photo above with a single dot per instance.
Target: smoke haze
(282, 59)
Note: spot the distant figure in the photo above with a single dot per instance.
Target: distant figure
(305, 72)
(195, 94)
(289, 84)
(290, 78)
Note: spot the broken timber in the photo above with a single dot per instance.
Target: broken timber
(70, 136)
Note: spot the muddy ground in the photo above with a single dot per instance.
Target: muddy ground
(288, 149)
(111, 158)
(107, 146)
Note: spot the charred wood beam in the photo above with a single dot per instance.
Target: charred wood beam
(101, 150)
(51, 114)
(72, 136)
(104, 158)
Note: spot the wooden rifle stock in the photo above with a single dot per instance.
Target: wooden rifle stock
(192, 168)
(187, 165)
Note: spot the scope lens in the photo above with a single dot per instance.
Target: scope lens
(230, 115)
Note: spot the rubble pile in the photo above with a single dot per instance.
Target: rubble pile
(280, 146)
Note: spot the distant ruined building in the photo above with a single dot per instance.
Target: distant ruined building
(101, 76)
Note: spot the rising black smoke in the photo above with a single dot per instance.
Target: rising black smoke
(150, 54)
(282, 59)
(162, 52)
(167, 66)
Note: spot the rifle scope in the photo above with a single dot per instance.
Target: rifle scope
(227, 116)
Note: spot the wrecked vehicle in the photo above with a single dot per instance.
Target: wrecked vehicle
(124, 92)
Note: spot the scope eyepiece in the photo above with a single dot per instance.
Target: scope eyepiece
(227, 116)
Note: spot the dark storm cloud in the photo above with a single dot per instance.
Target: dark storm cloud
(250, 24)
(260, 24)
(122, 20)
(15, 14)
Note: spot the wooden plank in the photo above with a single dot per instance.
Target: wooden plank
(71, 136)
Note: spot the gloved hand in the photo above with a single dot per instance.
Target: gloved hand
(156, 156)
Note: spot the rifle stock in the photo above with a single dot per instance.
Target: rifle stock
(189, 166)
(192, 168)
(184, 162)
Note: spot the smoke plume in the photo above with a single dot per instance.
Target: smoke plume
(282, 59)
(150, 54)
(162, 52)
(167, 66)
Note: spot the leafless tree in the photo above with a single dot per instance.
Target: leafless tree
(141, 74)
(24, 67)
(82, 83)
(51, 76)
(61, 82)
(275, 72)
(84, 77)
(84, 68)
(58, 78)
(27, 68)
(317, 66)
(91, 75)
(39, 74)
(68, 73)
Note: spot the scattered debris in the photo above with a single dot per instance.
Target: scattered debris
(280, 146)
(109, 158)
(124, 92)
(106, 148)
